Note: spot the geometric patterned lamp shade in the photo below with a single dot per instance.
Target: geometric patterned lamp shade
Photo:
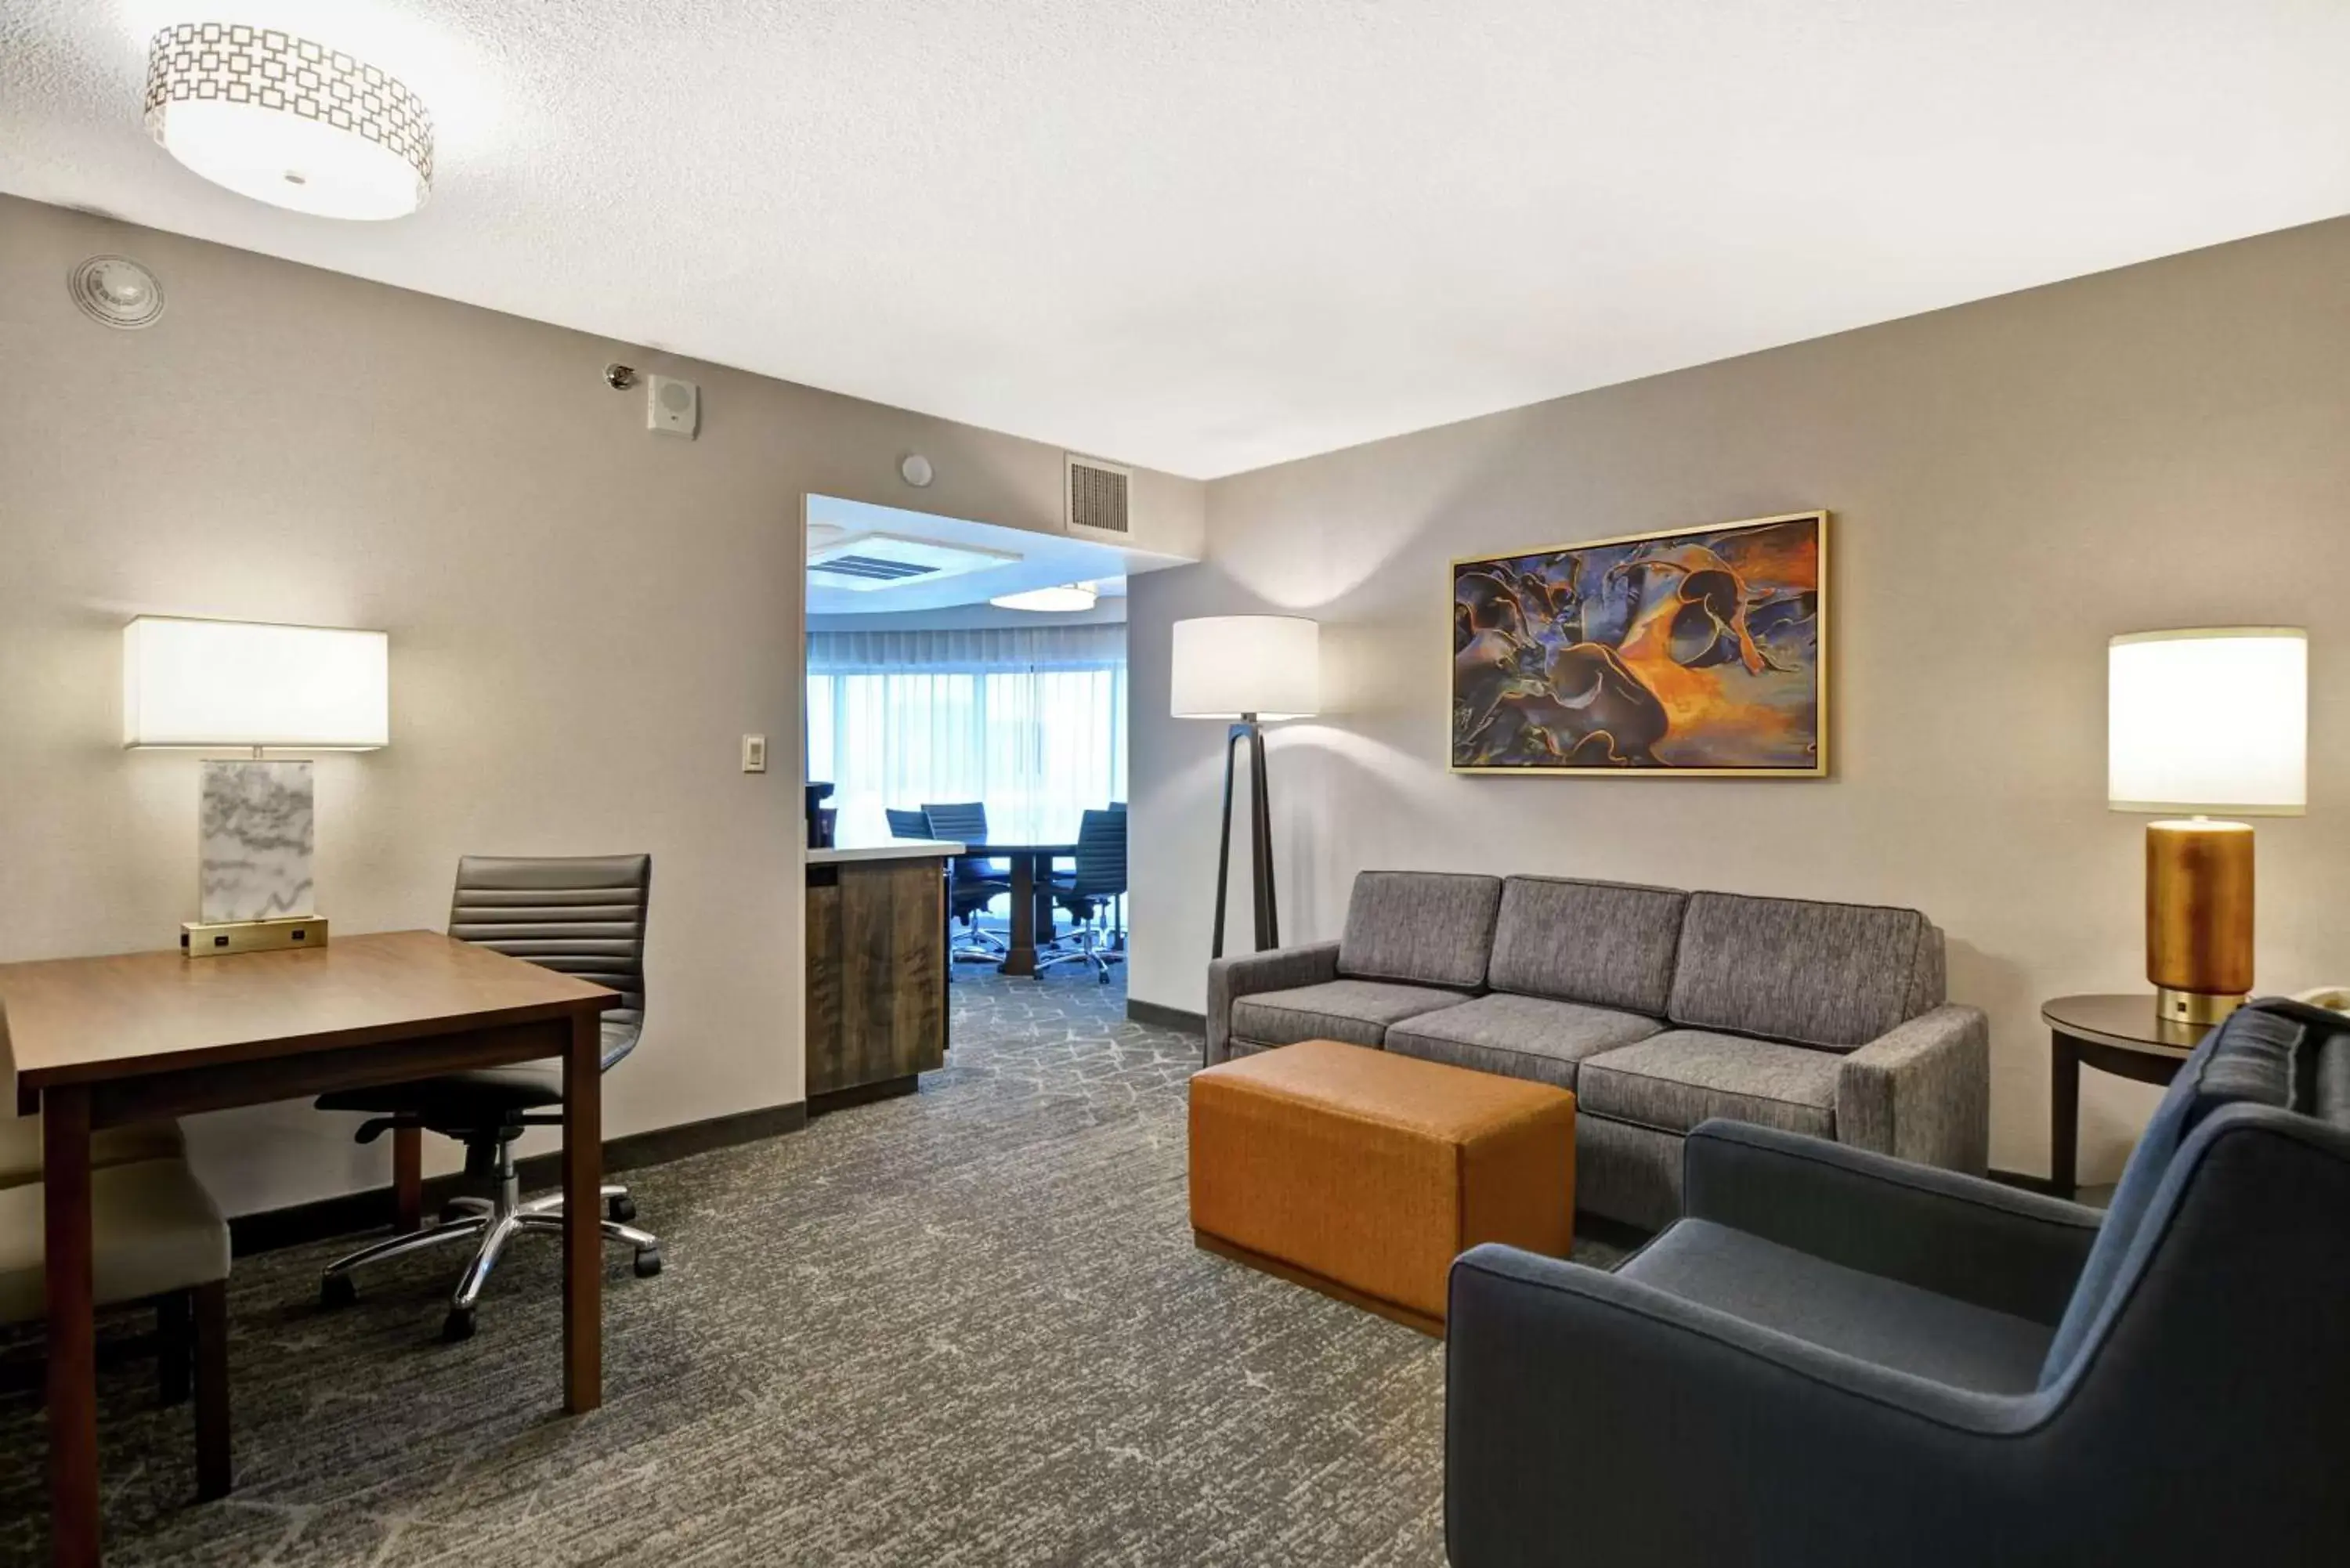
(288, 121)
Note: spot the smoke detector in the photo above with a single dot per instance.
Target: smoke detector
(116, 291)
(867, 563)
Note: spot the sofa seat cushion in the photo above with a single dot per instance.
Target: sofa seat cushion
(1675, 1080)
(1356, 1012)
(1610, 944)
(1863, 1315)
(1518, 1036)
(1832, 975)
(1422, 928)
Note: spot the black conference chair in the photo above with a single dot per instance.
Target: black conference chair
(583, 916)
(907, 824)
(976, 883)
(1093, 894)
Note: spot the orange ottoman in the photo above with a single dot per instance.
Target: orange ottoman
(1364, 1175)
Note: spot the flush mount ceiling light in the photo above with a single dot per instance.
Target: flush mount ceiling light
(288, 121)
(1068, 596)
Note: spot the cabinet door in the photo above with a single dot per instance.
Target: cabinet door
(893, 952)
(826, 1069)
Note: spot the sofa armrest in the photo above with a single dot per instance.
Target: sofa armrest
(1961, 1236)
(1922, 1091)
(1244, 974)
(1591, 1418)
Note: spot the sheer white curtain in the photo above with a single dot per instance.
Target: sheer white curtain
(1031, 720)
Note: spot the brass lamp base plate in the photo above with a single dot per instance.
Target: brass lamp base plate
(2194, 1006)
(214, 938)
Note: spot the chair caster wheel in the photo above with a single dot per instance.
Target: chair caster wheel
(458, 1325)
(649, 1262)
(337, 1290)
(621, 1210)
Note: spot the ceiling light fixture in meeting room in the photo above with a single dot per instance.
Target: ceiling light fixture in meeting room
(1068, 596)
(288, 121)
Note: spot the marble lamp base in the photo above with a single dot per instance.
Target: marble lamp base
(257, 834)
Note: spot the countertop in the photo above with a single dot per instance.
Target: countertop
(888, 850)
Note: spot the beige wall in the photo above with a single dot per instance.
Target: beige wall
(2013, 480)
(585, 617)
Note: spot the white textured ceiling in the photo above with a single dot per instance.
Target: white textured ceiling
(1209, 234)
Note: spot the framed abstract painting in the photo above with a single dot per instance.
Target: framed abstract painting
(1695, 651)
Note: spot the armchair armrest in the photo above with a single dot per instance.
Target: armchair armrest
(1956, 1235)
(1922, 1090)
(1244, 974)
(1590, 1418)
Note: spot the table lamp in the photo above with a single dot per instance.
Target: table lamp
(1252, 670)
(211, 685)
(2209, 720)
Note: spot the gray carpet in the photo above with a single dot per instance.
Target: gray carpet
(964, 1327)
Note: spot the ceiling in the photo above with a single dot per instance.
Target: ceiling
(1205, 235)
(1043, 560)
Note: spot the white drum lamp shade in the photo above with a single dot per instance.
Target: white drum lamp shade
(216, 683)
(288, 121)
(2210, 720)
(1228, 666)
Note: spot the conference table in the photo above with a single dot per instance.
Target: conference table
(98, 1043)
(1032, 891)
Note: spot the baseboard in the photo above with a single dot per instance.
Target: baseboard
(2029, 1183)
(350, 1212)
(1166, 1017)
(863, 1094)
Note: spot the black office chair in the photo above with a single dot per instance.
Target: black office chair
(907, 824)
(977, 882)
(584, 916)
(1092, 894)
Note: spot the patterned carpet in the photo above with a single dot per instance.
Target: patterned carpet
(964, 1327)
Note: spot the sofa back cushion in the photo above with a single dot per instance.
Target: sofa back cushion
(1834, 976)
(1425, 928)
(1610, 944)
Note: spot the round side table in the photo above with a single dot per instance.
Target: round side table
(2115, 1034)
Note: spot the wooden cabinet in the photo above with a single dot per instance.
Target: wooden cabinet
(877, 975)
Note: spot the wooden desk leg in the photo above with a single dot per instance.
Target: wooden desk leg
(583, 1213)
(2064, 1115)
(72, 1329)
(407, 1179)
(1020, 957)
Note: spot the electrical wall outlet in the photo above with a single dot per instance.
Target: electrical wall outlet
(754, 753)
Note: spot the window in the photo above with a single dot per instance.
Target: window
(1030, 721)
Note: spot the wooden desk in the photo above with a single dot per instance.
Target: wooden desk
(99, 1041)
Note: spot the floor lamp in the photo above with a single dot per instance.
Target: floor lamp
(1248, 669)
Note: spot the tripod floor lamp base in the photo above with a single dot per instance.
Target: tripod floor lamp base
(1268, 919)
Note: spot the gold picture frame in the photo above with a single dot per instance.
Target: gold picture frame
(1567, 662)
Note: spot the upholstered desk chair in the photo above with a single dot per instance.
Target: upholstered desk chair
(583, 916)
(156, 1236)
(1091, 892)
(975, 883)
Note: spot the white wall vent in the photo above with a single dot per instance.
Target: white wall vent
(862, 563)
(1096, 496)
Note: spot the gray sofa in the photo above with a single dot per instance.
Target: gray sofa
(1659, 1008)
(1838, 1360)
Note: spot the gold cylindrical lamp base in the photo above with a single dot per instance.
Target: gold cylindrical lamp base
(2199, 917)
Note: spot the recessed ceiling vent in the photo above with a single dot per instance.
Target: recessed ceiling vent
(863, 563)
(1096, 494)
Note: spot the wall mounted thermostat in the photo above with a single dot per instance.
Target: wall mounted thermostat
(673, 407)
(754, 753)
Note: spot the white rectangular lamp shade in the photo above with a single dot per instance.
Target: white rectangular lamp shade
(1228, 665)
(2210, 720)
(237, 683)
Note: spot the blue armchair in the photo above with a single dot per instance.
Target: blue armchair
(1836, 1357)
